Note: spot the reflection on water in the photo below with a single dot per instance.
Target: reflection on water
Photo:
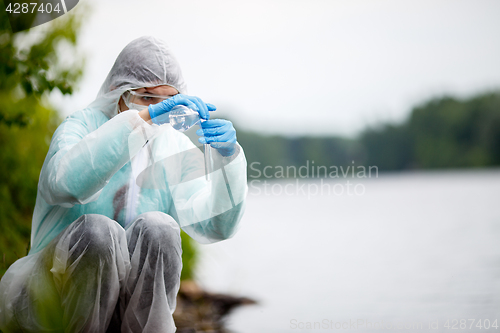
(414, 248)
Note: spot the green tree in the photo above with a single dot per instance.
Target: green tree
(451, 133)
(389, 147)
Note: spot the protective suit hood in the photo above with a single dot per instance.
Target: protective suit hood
(144, 62)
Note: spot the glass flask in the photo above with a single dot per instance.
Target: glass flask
(183, 118)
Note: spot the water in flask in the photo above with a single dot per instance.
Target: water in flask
(182, 118)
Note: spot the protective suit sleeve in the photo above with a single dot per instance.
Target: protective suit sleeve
(83, 156)
(210, 211)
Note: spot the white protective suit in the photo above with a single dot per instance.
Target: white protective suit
(124, 169)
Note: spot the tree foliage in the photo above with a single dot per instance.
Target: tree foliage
(33, 63)
(440, 133)
(279, 151)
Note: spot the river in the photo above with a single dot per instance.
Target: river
(414, 251)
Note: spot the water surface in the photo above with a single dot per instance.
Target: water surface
(414, 248)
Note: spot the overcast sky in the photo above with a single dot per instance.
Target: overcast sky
(306, 67)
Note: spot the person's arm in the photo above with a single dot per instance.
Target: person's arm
(209, 211)
(82, 158)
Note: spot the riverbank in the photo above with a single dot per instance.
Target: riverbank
(200, 311)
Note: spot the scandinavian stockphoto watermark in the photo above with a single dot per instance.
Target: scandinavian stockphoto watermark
(309, 179)
(469, 324)
(356, 324)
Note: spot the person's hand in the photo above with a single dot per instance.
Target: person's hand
(157, 112)
(220, 134)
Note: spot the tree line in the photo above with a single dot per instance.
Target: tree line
(444, 132)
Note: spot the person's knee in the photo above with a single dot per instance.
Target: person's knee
(157, 226)
(156, 229)
(94, 234)
(158, 219)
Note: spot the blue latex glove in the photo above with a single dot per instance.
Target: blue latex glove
(220, 134)
(158, 112)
